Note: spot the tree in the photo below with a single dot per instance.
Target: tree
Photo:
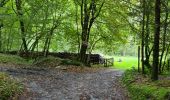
(156, 41)
(143, 32)
(90, 10)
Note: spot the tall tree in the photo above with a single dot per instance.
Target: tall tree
(90, 10)
(156, 41)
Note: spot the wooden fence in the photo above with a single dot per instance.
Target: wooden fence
(108, 62)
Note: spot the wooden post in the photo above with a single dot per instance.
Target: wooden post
(104, 62)
(138, 58)
(112, 62)
(168, 65)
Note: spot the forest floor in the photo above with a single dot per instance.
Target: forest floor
(68, 83)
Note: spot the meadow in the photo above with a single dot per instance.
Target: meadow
(125, 62)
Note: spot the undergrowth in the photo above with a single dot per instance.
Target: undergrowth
(51, 61)
(9, 88)
(142, 88)
(71, 62)
(12, 59)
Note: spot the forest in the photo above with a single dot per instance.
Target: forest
(84, 50)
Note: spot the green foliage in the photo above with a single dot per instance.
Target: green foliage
(145, 90)
(9, 87)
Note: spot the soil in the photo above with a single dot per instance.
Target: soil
(69, 83)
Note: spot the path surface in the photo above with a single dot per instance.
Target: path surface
(55, 84)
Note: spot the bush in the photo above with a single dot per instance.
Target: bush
(9, 87)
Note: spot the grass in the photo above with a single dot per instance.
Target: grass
(142, 88)
(9, 88)
(126, 63)
(12, 59)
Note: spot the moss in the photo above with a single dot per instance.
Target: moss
(143, 90)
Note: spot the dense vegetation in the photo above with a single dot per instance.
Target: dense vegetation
(108, 27)
(142, 88)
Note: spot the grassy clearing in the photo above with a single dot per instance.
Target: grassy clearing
(126, 62)
(142, 88)
(9, 88)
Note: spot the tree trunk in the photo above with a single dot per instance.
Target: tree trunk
(1, 25)
(164, 36)
(147, 55)
(143, 37)
(156, 41)
(88, 16)
(22, 25)
(138, 58)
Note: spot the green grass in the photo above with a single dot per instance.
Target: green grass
(126, 63)
(145, 89)
(12, 59)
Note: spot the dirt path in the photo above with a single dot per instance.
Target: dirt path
(56, 84)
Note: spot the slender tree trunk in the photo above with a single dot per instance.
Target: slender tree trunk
(46, 46)
(1, 25)
(143, 36)
(147, 56)
(164, 36)
(77, 29)
(22, 25)
(48, 40)
(156, 41)
(138, 58)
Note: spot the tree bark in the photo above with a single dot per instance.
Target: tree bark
(1, 25)
(138, 58)
(88, 16)
(143, 36)
(155, 66)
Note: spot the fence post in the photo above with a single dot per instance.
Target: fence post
(112, 61)
(138, 58)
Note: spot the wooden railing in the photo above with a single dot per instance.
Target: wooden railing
(108, 62)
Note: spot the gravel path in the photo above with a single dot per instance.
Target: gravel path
(55, 84)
